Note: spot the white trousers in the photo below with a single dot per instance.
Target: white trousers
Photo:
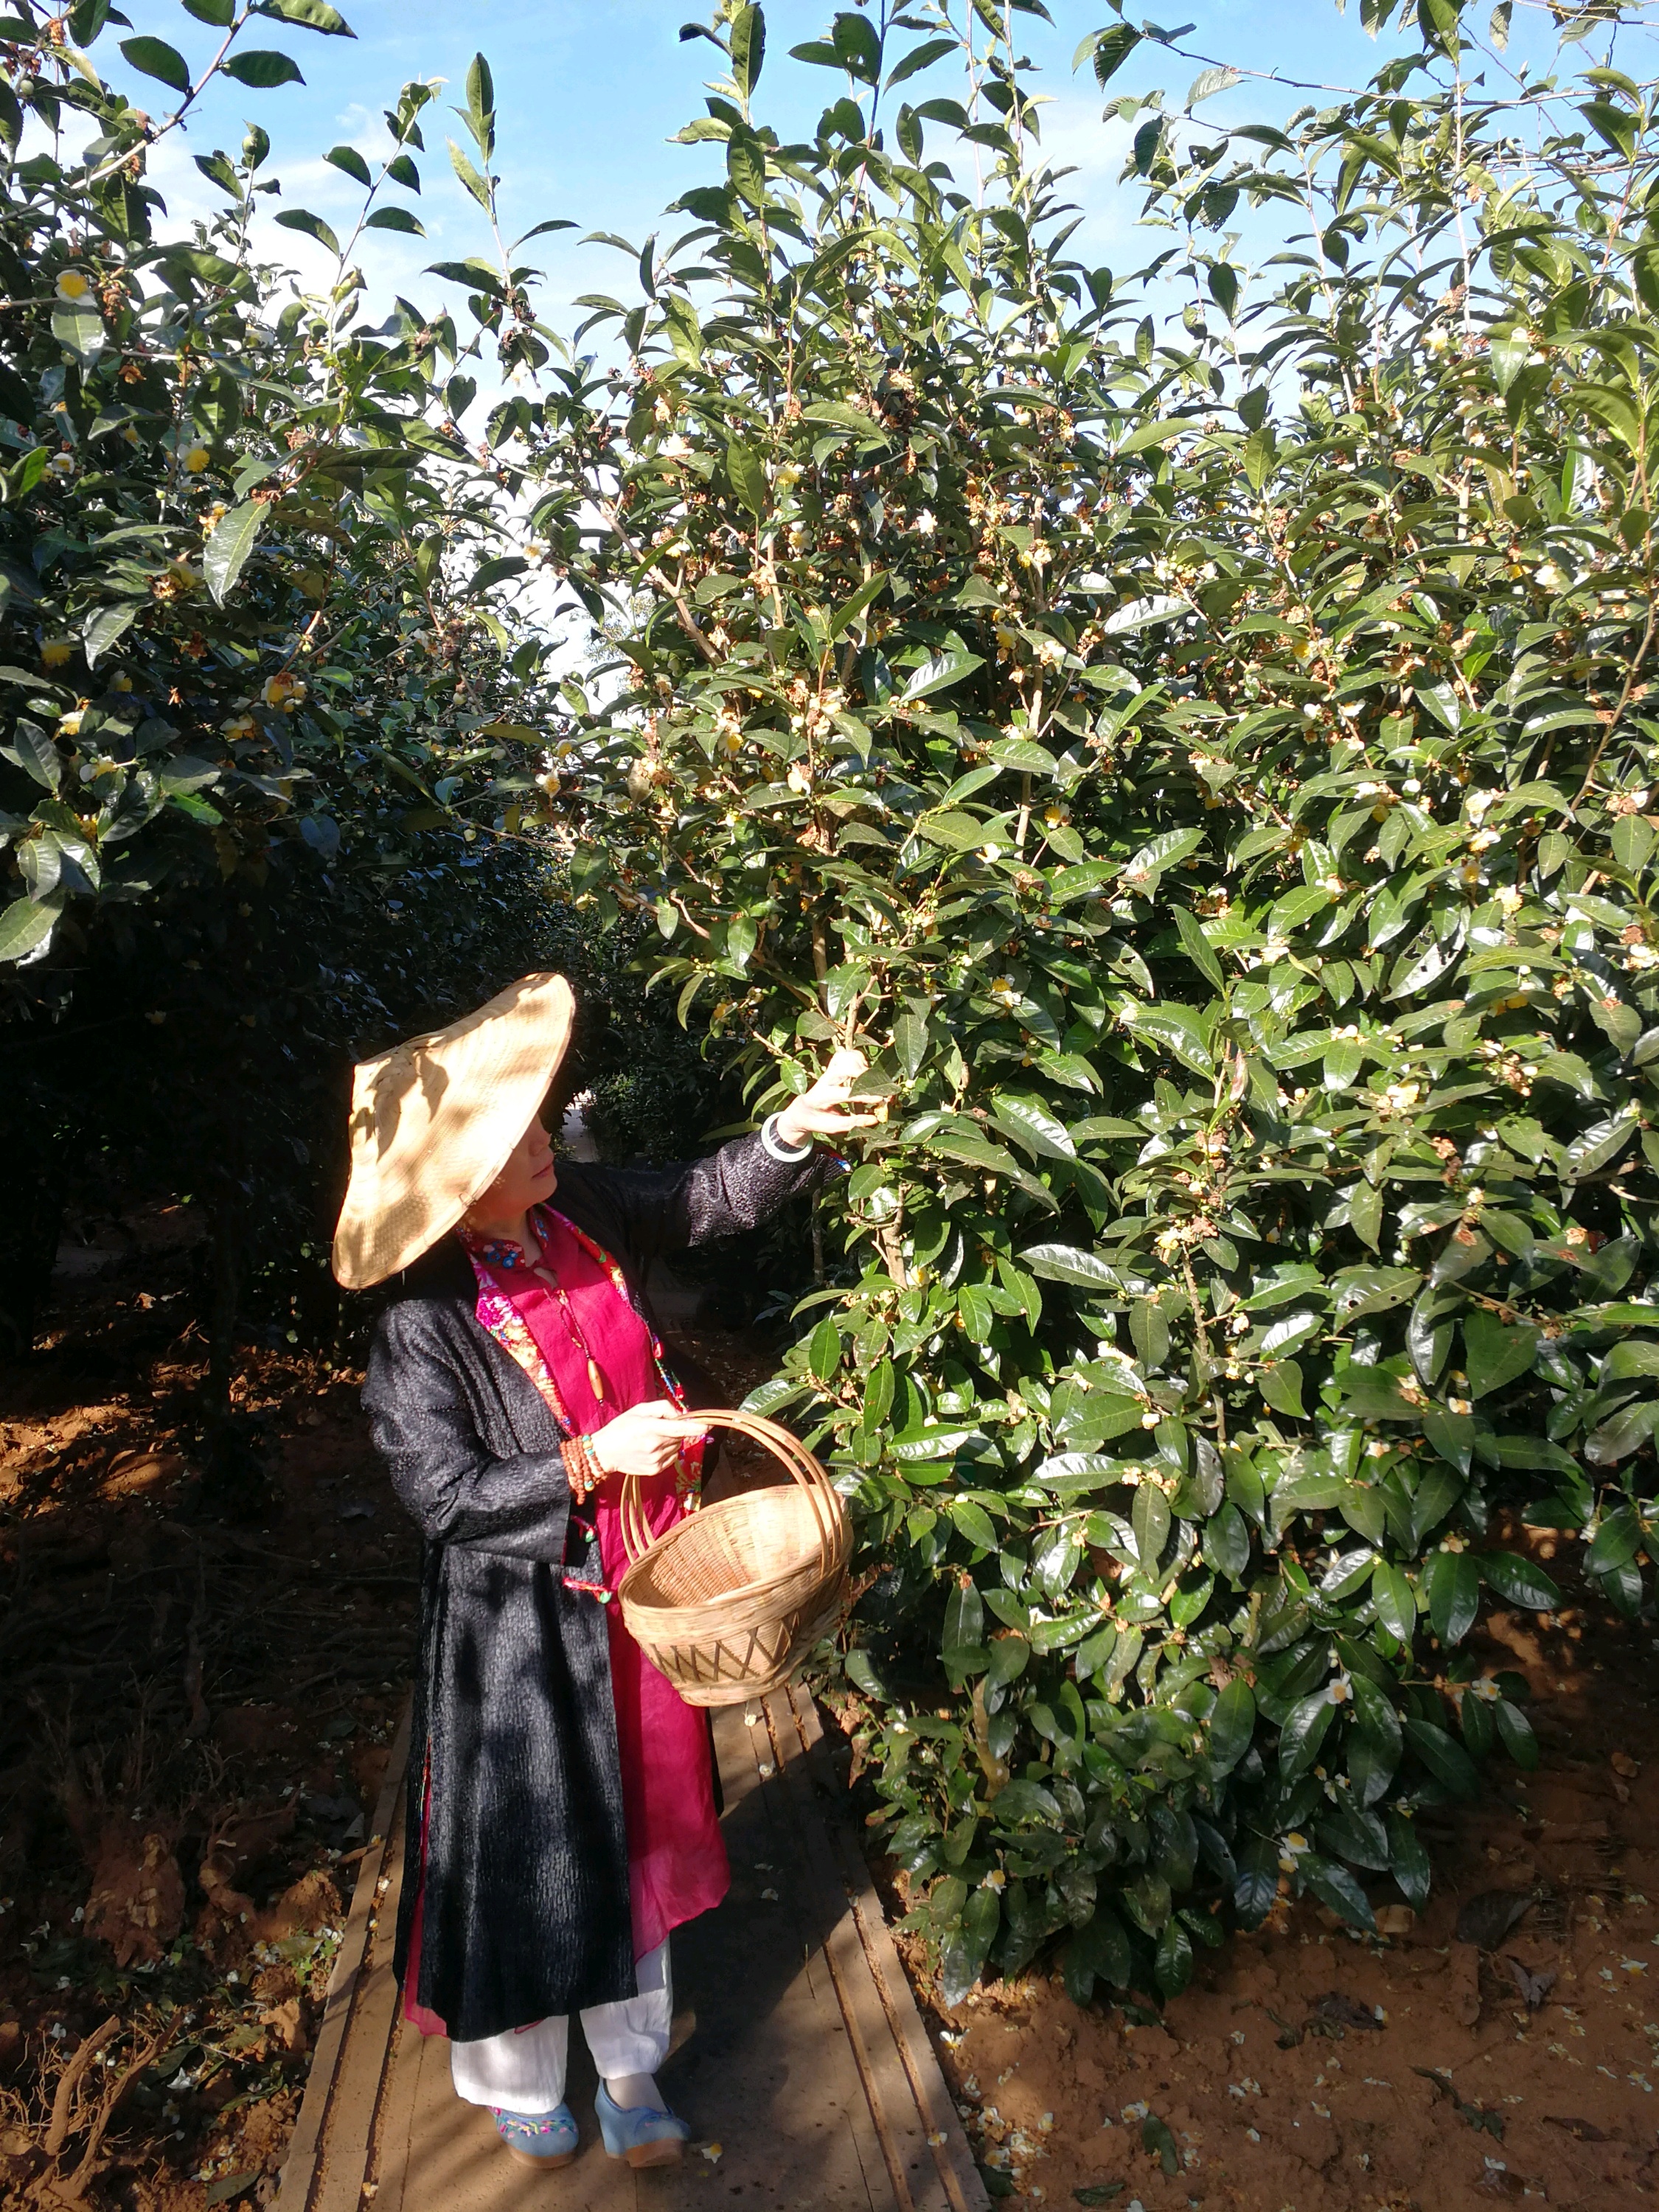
(523, 2071)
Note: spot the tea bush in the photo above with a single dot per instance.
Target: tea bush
(1202, 758)
(255, 651)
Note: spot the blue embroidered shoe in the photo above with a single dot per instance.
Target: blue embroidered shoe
(542, 2139)
(641, 2135)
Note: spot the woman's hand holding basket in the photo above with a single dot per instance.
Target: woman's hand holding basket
(644, 1441)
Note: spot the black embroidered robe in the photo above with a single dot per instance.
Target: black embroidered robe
(513, 1758)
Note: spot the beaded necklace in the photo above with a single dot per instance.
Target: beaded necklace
(514, 1260)
(496, 1315)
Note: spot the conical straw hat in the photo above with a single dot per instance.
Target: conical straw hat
(435, 1121)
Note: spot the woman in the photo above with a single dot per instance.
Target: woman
(561, 1816)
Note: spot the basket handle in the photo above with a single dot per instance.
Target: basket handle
(807, 1471)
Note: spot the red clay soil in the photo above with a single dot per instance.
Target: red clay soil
(1309, 2070)
(204, 1665)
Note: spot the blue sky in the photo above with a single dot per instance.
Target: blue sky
(588, 95)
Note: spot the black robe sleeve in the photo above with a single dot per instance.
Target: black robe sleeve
(426, 1426)
(651, 1211)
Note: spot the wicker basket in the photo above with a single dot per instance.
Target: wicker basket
(728, 1602)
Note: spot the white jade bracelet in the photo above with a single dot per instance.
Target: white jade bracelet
(778, 1152)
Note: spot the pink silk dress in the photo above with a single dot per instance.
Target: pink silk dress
(676, 1862)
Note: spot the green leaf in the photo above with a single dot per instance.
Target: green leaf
(105, 626)
(748, 474)
(1454, 1593)
(1103, 1948)
(1519, 1581)
(1376, 1719)
(976, 1525)
(1150, 1522)
(1109, 50)
(964, 1955)
(1617, 1540)
(394, 218)
(1303, 1732)
(1445, 1758)
(1396, 1600)
(262, 67)
(1280, 1386)
(1210, 81)
(226, 553)
(481, 104)
(1515, 1732)
(313, 225)
(1255, 1885)
(476, 184)
(348, 159)
(1452, 1435)
(1335, 1886)
(1627, 1432)
(938, 673)
(857, 46)
(1066, 1263)
(919, 58)
(478, 276)
(748, 48)
(1495, 1354)
(1198, 949)
(27, 926)
(79, 328)
(1232, 1725)
(310, 15)
(1408, 1859)
(155, 57)
(824, 1350)
(745, 166)
(1028, 1122)
(33, 752)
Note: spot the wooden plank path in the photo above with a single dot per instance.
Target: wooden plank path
(806, 2062)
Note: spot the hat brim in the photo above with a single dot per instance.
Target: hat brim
(435, 1120)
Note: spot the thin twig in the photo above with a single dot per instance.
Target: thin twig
(1606, 737)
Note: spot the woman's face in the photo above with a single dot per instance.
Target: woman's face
(528, 1178)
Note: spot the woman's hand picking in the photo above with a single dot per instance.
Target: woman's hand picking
(645, 1440)
(820, 1112)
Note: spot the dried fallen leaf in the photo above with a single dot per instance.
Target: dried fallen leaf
(1485, 1920)
(1625, 1764)
(1498, 2181)
(1580, 2131)
(1533, 1988)
(1344, 2011)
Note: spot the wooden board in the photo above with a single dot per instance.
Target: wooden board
(800, 2057)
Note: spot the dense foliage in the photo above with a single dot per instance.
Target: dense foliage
(1189, 728)
(1203, 761)
(249, 659)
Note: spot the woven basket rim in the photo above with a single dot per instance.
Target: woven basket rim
(740, 1608)
(727, 1510)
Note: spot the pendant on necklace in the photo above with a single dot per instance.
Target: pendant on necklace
(596, 1381)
